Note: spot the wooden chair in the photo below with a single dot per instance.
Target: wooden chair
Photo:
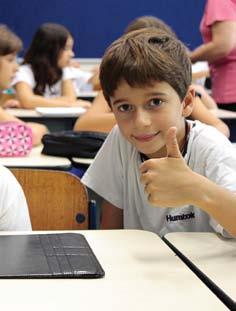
(57, 200)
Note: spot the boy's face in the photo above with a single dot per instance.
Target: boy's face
(8, 68)
(144, 114)
(66, 54)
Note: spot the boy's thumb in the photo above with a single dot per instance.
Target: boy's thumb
(172, 145)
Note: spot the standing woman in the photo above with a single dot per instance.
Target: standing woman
(44, 79)
(218, 29)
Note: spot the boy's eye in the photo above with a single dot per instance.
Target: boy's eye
(155, 102)
(11, 58)
(124, 108)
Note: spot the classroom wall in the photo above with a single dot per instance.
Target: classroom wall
(95, 24)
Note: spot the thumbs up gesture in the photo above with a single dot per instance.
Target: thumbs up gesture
(168, 181)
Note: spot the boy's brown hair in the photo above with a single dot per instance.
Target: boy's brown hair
(9, 42)
(143, 57)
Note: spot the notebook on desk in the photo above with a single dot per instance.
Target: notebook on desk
(60, 111)
(63, 255)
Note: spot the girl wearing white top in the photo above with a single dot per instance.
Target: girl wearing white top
(43, 79)
(14, 213)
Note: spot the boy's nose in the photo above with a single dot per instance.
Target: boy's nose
(142, 118)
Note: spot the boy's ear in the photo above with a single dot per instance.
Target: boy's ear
(188, 102)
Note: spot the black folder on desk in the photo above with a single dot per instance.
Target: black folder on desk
(61, 255)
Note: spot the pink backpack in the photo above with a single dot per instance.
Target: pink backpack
(15, 139)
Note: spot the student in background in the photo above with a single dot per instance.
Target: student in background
(154, 22)
(10, 45)
(157, 171)
(13, 207)
(218, 29)
(99, 117)
(44, 79)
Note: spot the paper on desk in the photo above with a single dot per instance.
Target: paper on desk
(60, 111)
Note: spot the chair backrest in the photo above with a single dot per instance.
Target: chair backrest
(57, 200)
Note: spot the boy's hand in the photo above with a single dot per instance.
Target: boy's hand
(168, 182)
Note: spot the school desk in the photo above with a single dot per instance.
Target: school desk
(54, 121)
(225, 114)
(37, 160)
(88, 64)
(83, 161)
(212, 255)
(141, 273)
(87, 95)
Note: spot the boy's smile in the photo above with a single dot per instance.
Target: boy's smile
(145, 137)
(144, 114)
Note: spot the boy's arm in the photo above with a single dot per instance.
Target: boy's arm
(112, 216)
(217, 201)
(170, 182)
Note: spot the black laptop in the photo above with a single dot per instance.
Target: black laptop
(61, 255)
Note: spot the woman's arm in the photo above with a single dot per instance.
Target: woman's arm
(223, 41)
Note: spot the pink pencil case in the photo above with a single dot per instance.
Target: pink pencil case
(15, 139)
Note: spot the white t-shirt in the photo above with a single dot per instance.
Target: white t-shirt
(79, 77)
(14, 213)
(115, 176)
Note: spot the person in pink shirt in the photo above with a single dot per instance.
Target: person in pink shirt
(218, 29)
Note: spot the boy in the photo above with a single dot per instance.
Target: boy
(14, 213)
(157, 171)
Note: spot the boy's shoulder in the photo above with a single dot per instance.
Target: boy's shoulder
(206, 134)
(205, 138)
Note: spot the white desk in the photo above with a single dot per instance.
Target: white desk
(23, 113)
(54, 123)
(32, 113)
(141, 273)
(224, 114)
(213, 255)
(88, 94)
(36, 159)
(85, 161)
(88, 64)
(229, 117)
